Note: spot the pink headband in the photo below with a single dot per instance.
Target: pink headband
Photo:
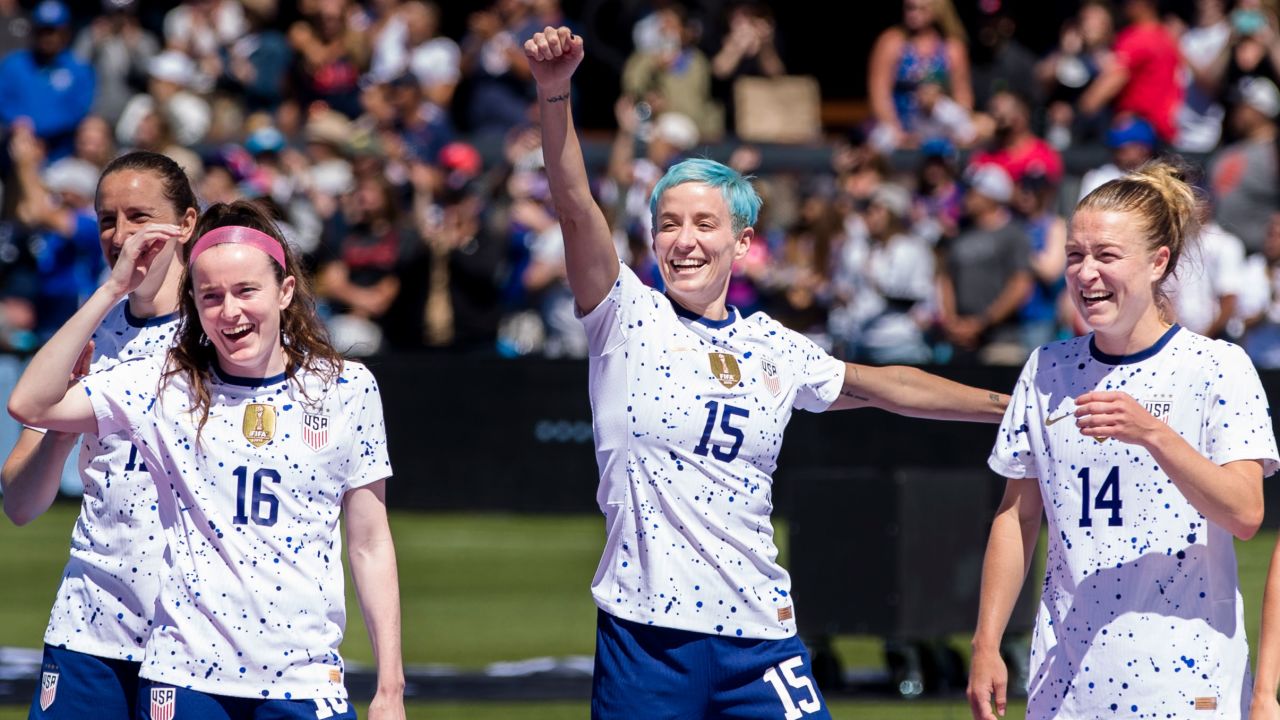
(239, 235)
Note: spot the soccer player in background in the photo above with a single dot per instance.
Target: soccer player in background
(258, 436)
(1145, 445)
(690, 402)
(103, 610)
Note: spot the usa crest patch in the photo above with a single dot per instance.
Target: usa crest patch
(315, 431)
(163, 703)
(48, 689)
(772, 382)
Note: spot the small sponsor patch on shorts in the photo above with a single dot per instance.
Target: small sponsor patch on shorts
(785, 614)
(1206, 703)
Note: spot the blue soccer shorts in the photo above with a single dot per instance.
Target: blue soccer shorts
(656, 673)
(74, 686)
(158, 701)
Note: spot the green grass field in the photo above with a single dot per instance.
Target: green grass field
(477, 589)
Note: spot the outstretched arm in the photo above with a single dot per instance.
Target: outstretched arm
(915, 393)
(373, 569)
(1267, 678)
(591, 259)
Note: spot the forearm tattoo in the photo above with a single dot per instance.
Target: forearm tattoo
(558, 98)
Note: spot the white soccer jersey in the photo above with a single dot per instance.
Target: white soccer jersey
(253, 604)
(689, 416)
(107, 597)
(1141, 614)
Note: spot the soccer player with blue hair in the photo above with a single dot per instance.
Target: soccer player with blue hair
(690, 403)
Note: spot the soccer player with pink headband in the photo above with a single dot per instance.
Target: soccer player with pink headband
(258, 436)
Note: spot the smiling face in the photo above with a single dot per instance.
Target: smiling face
(1112, 276)
(696, 247)
(128, 200)
(240, 301)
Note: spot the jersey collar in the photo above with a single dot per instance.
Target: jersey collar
(1136, 357)
(688, 314)
(137, 322)
(229, 379)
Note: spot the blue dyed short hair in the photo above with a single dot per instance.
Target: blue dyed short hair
(739, 195)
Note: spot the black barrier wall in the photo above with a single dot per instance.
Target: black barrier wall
(515, 435)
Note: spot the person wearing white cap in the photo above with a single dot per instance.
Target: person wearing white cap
(171, 74)
(985, 274)
(1243, 176)
(884, 284)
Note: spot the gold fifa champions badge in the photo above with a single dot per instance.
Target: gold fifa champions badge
(725, 367)
(259, 423)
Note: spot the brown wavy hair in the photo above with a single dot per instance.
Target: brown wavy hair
(306, 342)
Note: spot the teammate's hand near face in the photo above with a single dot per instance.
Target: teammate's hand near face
(553, 55)
(988, 680)
(1103, 415)
(138, 254)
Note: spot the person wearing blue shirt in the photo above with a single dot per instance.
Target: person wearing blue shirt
(45, 83)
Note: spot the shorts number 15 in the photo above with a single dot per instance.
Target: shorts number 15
(791, 709)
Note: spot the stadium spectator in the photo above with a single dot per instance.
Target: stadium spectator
(1000, 61)
(254, 69)
(58, 207)
(45, 83)
(359, 263)
(1084, 49)
(1132, 142)
(1205, 298)
(15, 26)
(797, 281)
(676, 76)
(434, 59)
(1252, 50)
(1143, 79)
(329, 57)
(119, 49)
(748, 48)
(1259, 301)
(1202, 46)
(1013, 146)
(883, 286)
(1140, 403)
(171, 77)
(1034, 199)
(646, 438)
(984, 276)
(929, 45)
(940, 198)
(495, 72)
(1243, 176)
(94, 143)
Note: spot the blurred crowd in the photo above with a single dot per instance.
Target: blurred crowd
(405, 164)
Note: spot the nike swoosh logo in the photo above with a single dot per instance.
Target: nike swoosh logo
(1050, 421)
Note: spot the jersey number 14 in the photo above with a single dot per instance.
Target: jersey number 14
(1108, 498)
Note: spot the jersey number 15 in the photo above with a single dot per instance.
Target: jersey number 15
(726, 426)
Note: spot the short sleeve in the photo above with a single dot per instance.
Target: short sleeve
(629, 304)
(122, 395)
(1238, 421)
(1012, 456)
(369, 438)
(821, 376)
